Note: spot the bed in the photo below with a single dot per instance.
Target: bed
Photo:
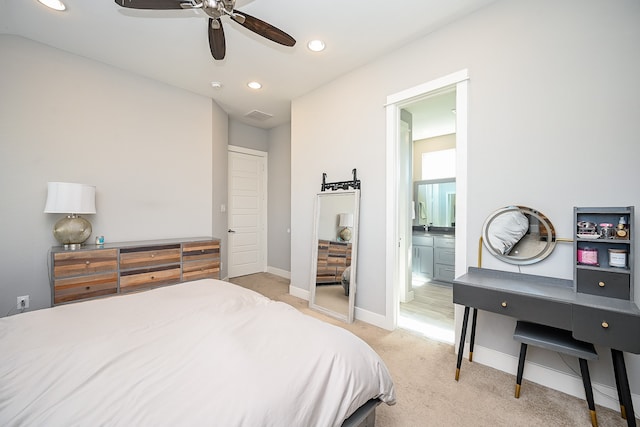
(198, 353)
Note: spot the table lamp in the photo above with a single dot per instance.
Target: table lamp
(71, 199)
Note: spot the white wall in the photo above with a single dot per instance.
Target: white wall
(553, 123)
(66, 118)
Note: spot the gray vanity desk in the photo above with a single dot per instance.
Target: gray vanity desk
(604, 321)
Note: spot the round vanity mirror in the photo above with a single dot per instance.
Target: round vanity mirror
(519, 235)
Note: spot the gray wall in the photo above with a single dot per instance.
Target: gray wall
(276, 143)
(280, 199)
(66, 118)
(553, 107)
(247, 136)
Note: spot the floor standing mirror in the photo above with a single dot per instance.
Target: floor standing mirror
(335, 243)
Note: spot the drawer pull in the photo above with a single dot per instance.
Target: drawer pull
(601, 284)
(153, 255)
(87, 288)
(153, 277)
(504, 304)
(87, 262)
(605, 325)
(202, 250)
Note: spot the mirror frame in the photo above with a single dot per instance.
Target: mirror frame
(540, 255)
(349, 316)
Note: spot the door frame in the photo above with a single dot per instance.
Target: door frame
(263, 213)
(396, 240)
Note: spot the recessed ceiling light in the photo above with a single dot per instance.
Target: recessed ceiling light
(254, 85)
(316, 45)
(216, 85)
(53, 4)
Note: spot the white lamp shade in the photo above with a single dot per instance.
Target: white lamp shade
(70, 198)
(346, 220)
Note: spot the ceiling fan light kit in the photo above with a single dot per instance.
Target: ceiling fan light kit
(54, 4)
(216, 10)
(316, 45)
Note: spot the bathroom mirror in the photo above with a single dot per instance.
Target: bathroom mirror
(519, 235)
(435, 203)
(334, 251)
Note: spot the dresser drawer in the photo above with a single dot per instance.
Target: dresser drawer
(445, 256)
(68, 264)
(200, 250)
(543, 311)
(422, 240)
(613, 329)
(136, 279)
(201, 269)
(444, 272)
(77, 288)
(149, 256)
(445, 242)
(604, 283)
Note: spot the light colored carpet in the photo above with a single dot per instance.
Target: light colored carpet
(427, 394)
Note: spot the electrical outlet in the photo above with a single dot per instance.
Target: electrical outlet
(23, 302)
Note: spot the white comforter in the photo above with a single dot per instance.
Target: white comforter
(195, 354)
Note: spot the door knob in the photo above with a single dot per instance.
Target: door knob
(231, 231)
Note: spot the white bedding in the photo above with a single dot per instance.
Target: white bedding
(195, 354)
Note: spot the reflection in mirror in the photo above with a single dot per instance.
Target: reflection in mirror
(519, 235)
(435, 203)
(335, 241)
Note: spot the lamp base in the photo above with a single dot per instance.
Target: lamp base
(345, 234)
(72, 231)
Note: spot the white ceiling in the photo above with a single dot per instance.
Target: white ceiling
(172, 46)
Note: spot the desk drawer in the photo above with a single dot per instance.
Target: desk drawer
(529, 308)
(613, 329)
(604, 283)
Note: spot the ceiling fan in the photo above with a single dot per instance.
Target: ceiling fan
(216, 9)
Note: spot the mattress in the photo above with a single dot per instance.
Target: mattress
(198, 353)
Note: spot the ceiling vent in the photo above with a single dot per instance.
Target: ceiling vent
(258, 115)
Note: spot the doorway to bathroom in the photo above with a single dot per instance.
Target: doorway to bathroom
(441, 255)
(426, 305)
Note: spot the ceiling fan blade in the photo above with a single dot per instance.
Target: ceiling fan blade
(156, 4)
(216, 39)
(265, 30)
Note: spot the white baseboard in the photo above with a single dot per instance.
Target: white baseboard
(373, 318)
(603, 395)
(360, 314)
(300, 293)
(279, 272)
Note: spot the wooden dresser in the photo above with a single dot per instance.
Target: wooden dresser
(113, 268)
(333, 259)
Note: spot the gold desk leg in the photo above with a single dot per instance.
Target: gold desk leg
(594, 419)
(457, 374)
(471, 356)
(517, 391)
(623, 412)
